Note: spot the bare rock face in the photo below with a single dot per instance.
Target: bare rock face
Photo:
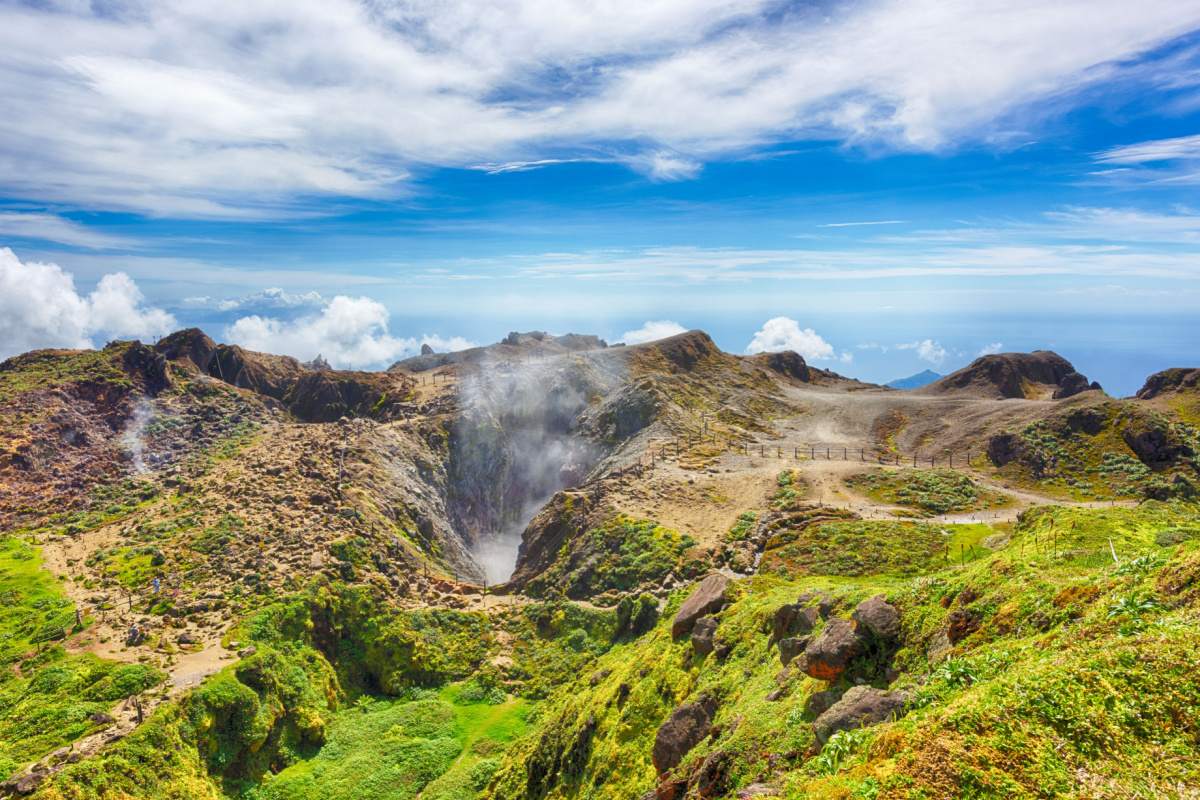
(706, 599)
(1072, 384)
(860, 707)
(828, 656)
(791, 620)
(702, 635)
(820, 702)
(792, 647)
(1031, 376)
(1179, 379)
(878, 616)
(787, 363)
(683, 730)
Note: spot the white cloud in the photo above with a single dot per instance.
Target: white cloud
(991, 349)
(228, 108)
(1183, 147)
(349, 332)
(653, 331)
(273, 298)
(39, 307)
(783, 333)
(927, 350)
(856, 224)
(53, 228)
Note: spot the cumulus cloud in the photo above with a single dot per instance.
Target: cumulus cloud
(994, 347)
(39, 307)
(927, 350)
(127, 106)
(652, 331)
(783, 333)
(350, 332)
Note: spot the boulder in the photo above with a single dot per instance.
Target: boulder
(28, 783)
(186, 638)
(827, 656)
(1071, 384)
(706, 599)
(684, 729)
(757, 790)
(879, 617)
(792, 647)
(247, 652)
(791, 620)
(100, 718)
(820, 702)
(860, 707)
(702, 635)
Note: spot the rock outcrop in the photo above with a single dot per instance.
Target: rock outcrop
(708, 598)
(878, 616)
(683, 730)
(791, 620)
(1176, 380)
(860, 707)
(1030, 376)
(828, 656)
(702, 635)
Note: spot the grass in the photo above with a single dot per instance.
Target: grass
(939, 491)
(32, 606)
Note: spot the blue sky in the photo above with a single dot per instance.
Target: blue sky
(884, 186)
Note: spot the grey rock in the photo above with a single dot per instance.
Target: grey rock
(829, 654)
(683, 730)
(879, 617)
(28, 783)
(792, 647)
(100, 718)
(247, 652)
(791, 620)
(706, 599)
(820, 702)
(860, 707)
(702, 635)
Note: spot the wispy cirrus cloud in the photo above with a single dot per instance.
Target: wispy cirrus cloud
(228, 109)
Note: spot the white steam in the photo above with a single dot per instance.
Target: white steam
(514, 449)
(131, 437)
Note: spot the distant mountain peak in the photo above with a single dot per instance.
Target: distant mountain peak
(915, 381)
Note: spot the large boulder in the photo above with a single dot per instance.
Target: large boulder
(684, 729)
(792, 620)
(860, 707)
(702, 635)
(879, 617)
(708, 598)
(828, 656)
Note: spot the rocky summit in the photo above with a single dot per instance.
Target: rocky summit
(554, 568)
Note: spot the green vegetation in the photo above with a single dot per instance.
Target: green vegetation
(620, 554)
(939, 491)
(52, 704)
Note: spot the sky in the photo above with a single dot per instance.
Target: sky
(883, 187)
